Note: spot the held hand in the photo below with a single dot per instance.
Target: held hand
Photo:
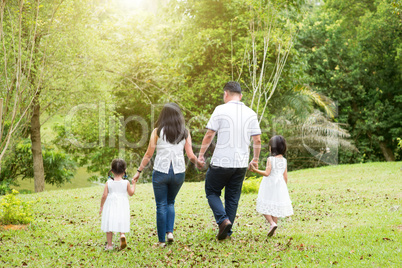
(200, 162)
(136, 177)
(100, 211)
(253, 165)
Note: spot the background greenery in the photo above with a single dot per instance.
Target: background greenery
(100, 63)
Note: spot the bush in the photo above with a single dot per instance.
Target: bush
(15, 211)
(59, 167)
(5, 186)
(251, 185)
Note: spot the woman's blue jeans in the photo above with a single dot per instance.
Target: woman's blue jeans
(166, 187)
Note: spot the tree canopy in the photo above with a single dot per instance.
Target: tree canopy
(325, 74)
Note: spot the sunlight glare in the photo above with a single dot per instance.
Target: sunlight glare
(130, 4)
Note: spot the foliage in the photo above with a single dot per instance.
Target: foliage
(5, 186)
(16, 90)
(353, 57)
(399, 149)
(364, 194)
(15, 211)
(59, 167)
(251, 185)
(87, 150)
(107, 70)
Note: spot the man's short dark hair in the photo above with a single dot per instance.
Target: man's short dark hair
(232, 87)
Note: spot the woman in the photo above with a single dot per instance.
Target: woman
(169, 138)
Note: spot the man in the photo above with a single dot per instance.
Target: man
(235, 124)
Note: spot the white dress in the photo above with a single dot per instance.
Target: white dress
(116, 210)
(273, 196)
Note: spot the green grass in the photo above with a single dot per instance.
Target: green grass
(345, 216)
(80, 180)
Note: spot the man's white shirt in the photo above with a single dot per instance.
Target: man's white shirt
(234, 123)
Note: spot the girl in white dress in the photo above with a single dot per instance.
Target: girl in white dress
(114, 207)
(273, 197)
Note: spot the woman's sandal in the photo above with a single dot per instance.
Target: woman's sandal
(170, 238)
(123, 242)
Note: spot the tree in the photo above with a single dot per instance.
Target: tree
(59, 167)
(17, 34)
(353, 58)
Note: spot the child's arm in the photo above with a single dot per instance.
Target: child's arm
(104, 195)
(265, 172)
(285, 175)
(131, 189)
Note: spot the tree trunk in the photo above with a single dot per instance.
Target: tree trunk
(39, 172)
(387, 152)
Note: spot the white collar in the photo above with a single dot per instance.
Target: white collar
(236, 102)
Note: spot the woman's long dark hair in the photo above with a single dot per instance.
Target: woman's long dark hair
(171, 120)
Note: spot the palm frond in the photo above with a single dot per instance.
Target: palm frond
(319, 99)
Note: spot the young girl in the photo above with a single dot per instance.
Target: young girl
(273, 198)
(114, 207)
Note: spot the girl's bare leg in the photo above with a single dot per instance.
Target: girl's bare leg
(109, 238)
(270, 219)
(275, 219)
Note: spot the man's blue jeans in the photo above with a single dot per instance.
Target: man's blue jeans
(166, 187)
(231, 179)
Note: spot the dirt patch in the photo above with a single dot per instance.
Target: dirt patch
(13, 227)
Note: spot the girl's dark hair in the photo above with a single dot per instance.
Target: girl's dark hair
(278, 145)
(171, 120)
(118, 167)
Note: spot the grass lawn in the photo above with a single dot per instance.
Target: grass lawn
(345, 216)
(80, 180)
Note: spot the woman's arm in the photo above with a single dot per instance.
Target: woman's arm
(190, 154)
(131, 189)
(104, 196)
(148, 154)
(285, 175)
(265, 172)
(189, 149)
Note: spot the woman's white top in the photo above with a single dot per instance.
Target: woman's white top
(168, 153)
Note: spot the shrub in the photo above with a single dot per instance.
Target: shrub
(59, 167)
(15, 211)
(251, 185)
(5, 186)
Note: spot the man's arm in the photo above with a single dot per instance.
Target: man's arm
(205, 144)
(256, 150)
